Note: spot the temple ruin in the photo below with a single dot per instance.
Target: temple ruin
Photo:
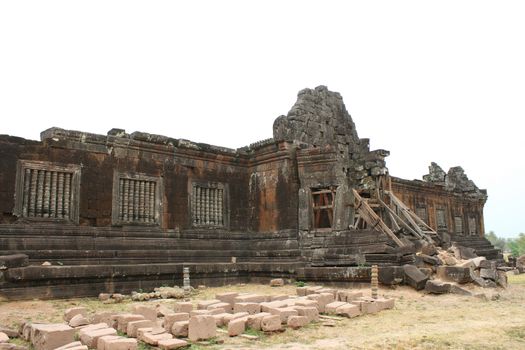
(124, 211)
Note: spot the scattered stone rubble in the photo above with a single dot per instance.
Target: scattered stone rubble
(162, 326)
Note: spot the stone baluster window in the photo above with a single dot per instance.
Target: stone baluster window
(472, 226)
(323, 207)
(421, 212)
(208, 204)
(47, 191)
(136, 199)
(441, 219)
(458, 225)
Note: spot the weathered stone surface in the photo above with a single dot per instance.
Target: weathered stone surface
(101, 342)
(175, 317)
(183, 306)
(149, 313)
(454, 273)
(277, 282)
(237, 326)
(437, 287)
(271, 323)
(3, 337)
(180, 329)
(301, 291)
(104, 296)
(250, 298)
(72, 312)
(13, 260)
(200, 312)
(414, 278)
(103, 317)
(90, 337)
(201, 328)
(488, 274)
(153, 339)
(332, 307)
(296, 322)
(51, 336)
(284, 313)
(227, 297)
(71, 345)
(348, 310)
(454, 289)
(203, 304)
(322, 299)
(219, 319)
(133, 327)
(254, 321)
(78, 320)
(225, 307)
(430, 259)
(121, 344)
(502, 279)
(123, 321)
(428, 249)
(311, 313)
(11, 333)
(230, 317)
(169, 344)
(251, 308)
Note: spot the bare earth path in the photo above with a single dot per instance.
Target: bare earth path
(418, 321)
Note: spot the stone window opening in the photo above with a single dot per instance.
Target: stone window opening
(208, 204)
(458, 225)
(472, 226)
(47, 191)
(441, 219)
(136, 199)
(421, 212)
(323, 207)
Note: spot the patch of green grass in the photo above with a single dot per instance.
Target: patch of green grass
(251, 331)
(143, 346)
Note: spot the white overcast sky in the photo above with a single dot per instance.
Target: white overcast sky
(439, 81)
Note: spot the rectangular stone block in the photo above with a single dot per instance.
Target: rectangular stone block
(236, 327)
(124, 320)
(348, 310)
(284, 313)
(153, 339)
(279, 297)
(348, 295)
(312, 289)
(121, 344)
(250, 298)
(219, 319)
(183, 306)
(134, 326)
(271, 323)
(251, 308)
(176, 317)
(90, 337)
(203, 304)
(180, 329)
(70, 345)
(386, 303)
(254, 321)
(51, 336)
(228, 297)
(332, 307)
(72, 312)
(227, 307)
(169, 344)
(228, 318)
(311, 313)
(301, 291)
(199, 313)
(265, 307)
(367, 306)
(201, 328)
(149, 313)
(296, 322)
(101, 342)
(307, 302)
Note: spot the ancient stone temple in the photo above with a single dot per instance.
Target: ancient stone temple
(124, 211)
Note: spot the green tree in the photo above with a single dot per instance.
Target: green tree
(498, 242)
(517, 245)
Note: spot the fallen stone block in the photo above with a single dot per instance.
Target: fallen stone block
(227, 307)
(149, 313)
(216, 311)
(133, 326)
(72, 312)
(230, 317)
(437, 287)
(78, 320)
(170, 319)
(228, 297)
(307, 302)
(284, 313)
(502, 279)
(237, 326)
(348, 295)
(11, 346)
(300, 291)
(104, 296)
(3, 337)
(428, 249)
(142, 331)
(332, 307)
(121, 344)
(454, 273)
(90, 337)
(296, 322)
(219, 319)
(279, 297)
(250, 298)
(328, 290)
(92, 327)
(322, 299)
(313, 289)
(70, 345)
(348, 310)
(250, 308)
(26, 331)
(271, 323)
(183, 306)
(51, 336)
(169, 344)
(11, 333)
(254, 321)
(266, 306)
(125, 319)
(385, 303)
(203, 304)
(180, 329)
(367, 306)
(153, 339)
(101, 342)
(454, 289)
(311, 313)
(432, 260)
(414, 278)
(201, 328)
(277, 282)
(103, 317)
(488, 274)
(199, 313)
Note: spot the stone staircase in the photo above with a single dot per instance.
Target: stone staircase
(482, 246)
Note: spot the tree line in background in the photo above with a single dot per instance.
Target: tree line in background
(515, 246)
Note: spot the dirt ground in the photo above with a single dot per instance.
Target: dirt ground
(418, 321)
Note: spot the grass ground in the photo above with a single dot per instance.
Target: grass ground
(419, 321)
